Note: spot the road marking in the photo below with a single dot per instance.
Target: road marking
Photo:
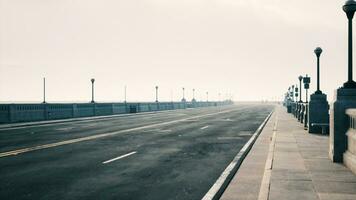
(204, 127)
(92, 137)
(221, 183)
(64, 129)
(229, 138)
(120, 157)
(266, 180)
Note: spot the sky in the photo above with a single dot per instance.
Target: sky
(248, 49)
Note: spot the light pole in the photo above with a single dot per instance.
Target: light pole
(306, 81)
(296, 93)
(125, 94)
(44, 90)
(317, 52)
(293, 92)
(183, 99)
(350, 8)
(193, 94)
(92, 90)
(300, 88)
(156, 94)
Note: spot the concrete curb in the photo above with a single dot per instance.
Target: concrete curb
(216, 191)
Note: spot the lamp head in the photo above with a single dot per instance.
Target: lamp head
(349, 8)
(300, 78)
(318, 51)
(92, 80)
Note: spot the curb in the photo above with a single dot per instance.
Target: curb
(216, 191)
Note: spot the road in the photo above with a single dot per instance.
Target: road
(165, 155)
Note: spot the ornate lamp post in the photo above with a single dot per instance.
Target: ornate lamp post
(156, 94)
(92, 90)
(44, 90)
(293, 92)
(296, 92)
(183, 99)
(306, 81)
(193, 100)
(350, 8)
(317, 52)
(300, 87)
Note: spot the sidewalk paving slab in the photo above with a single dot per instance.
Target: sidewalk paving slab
(300, 170)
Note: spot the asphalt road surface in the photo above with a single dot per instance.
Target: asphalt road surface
(165, 155)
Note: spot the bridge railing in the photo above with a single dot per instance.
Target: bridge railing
(10, 113)
(350, 153)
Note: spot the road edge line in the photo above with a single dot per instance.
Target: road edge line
(218, 188)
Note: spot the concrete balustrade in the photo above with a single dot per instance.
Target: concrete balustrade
(350, 153)
(10, 113)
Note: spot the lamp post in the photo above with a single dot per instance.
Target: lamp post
(44, 90)
(350, 8)
(296, 92)
(306, 81)
(183, 90)
(318, 52)
(156, 94)
(125, 94)
(293, 92)
(300, 87)
(92, 90)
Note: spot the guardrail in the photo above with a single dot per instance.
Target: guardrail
(10, 113)
(350, 153)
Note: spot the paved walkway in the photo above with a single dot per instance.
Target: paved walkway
(288, 163)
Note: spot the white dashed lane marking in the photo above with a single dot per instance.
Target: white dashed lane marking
(120, 157)
(204, 127)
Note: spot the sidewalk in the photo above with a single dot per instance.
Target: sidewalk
(288, 163)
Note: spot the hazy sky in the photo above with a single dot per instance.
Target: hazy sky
(254, 49)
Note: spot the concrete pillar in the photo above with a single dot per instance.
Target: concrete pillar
(339, 122)
(318, 111)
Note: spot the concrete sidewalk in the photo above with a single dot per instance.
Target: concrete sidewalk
(288, 163)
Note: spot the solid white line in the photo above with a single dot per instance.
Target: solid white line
(120, 157)
(202, 128)
(213, 191)
(92, 137)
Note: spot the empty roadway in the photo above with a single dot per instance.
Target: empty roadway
(165, 155)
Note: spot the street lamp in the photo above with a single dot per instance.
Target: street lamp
(306, 81)
(92, 90)
(125, 94)
(183, 99)
(193, 95)
(350, 8)
(44, 90)
(317, 52)
(156, 94)
(300, 87)
(296, 92)
(293, 92)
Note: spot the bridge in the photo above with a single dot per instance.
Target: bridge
(300, 146)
